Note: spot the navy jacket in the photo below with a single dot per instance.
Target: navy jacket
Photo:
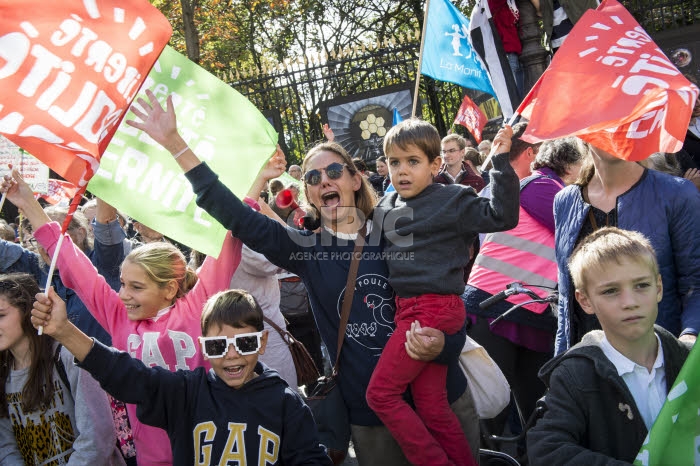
(664, 208)
(264, 421)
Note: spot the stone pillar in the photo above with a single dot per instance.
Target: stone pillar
(534, 58)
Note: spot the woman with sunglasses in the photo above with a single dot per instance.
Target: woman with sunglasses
(154, 316)
(343, 199)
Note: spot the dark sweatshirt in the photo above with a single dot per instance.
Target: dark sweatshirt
(429, 235)
(206, 420)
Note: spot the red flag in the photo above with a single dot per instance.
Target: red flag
(471, 117)
(69, 71)
(59, 192)
(611, 85)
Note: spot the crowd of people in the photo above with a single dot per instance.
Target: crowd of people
(215, 382)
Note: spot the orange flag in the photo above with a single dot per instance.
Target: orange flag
(471, 117)
(69, 71)
(611, 85)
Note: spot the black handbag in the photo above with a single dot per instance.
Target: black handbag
(326, 400)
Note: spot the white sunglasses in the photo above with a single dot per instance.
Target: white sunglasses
(245, 344)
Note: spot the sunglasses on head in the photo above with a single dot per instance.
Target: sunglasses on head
(245, 344)
(334, 171)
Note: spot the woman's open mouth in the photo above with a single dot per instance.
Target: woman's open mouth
(330, 199)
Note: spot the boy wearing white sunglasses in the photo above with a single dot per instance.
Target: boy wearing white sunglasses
(240, 410)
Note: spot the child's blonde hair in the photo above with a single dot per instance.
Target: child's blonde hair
(417, 132)
(609, 244)
(164, 262)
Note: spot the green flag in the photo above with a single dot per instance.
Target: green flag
(674, 439)
(222, 127)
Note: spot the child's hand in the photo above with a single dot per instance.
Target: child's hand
(18, 191)
(274, 167)
(159, 124)
(49, 312)
(502, 141)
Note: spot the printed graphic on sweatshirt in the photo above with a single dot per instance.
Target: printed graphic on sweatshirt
(373, 327)
(44, 436)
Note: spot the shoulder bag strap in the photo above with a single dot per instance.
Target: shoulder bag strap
(61, 369)
(349, 291)
(282, 333)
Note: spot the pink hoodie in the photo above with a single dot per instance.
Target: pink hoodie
(169, 341)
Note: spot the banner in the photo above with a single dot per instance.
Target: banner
(610, 85)
(489, 47)
(140, 178)
(447, 53)
(471, 117)
(34, 172)
(59, 192)
(675, 436)
(68, 71)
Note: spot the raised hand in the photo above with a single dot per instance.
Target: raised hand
(502, 141)
(18, 191)
(49, 312)
(328, 132)
(159, 124)
(275, 166)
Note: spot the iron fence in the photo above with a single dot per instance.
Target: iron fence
(289, 93)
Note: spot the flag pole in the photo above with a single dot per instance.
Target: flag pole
(66, 223)
(420, 57)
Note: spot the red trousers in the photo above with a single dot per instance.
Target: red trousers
(430, 435)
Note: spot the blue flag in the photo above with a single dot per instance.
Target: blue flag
(447, 53)
(397, 117)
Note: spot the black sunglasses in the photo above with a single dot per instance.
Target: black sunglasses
(245, 343)
(334, 171)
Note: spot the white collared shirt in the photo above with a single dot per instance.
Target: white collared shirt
(648, 388)
(454, 178)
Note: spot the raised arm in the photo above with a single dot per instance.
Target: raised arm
(122, 376)
(501, 212)
(258, 232)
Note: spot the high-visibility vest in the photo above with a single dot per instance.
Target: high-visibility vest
(524, 254)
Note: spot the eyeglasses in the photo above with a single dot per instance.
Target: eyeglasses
(450, 151)
(334, 171)
(245, 344)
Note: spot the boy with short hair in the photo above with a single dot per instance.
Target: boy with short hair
(240, 410)
(605, 392)
(428, 229)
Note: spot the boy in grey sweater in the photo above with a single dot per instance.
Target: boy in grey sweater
(428, 229)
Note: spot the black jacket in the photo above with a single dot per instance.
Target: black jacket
(591, 416)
